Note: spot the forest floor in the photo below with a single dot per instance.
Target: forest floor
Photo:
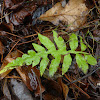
(20, 23)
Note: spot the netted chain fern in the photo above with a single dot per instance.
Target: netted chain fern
(34, 58)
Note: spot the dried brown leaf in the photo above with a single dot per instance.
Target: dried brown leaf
(31, 78)
(73, 14)
(64, 88)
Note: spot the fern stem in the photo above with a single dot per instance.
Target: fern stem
(77, 52)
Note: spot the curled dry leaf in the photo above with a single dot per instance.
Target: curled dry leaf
(31, 77)
(72, 15)
(18, 17)
(21, 10)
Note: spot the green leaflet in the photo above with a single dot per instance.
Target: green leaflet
(27, 59)
(59, 41)
(47, 43)
(90, 59)
(41, 50)
(73, 41)
(36, 61)
(18, 62)
(31, 52)
(81, 63)
(54, 65)
(25, 56)
(38, 48)
(43, 65)
(83, 46)
(66, 63)
(34, 58)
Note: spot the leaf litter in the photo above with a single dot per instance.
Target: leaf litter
(19, 30)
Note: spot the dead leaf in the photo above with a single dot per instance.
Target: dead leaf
(72, 15)
(29, 76)
(18, 17)
(53, 90)
(64, 88)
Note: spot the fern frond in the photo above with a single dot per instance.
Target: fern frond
(41, 55)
